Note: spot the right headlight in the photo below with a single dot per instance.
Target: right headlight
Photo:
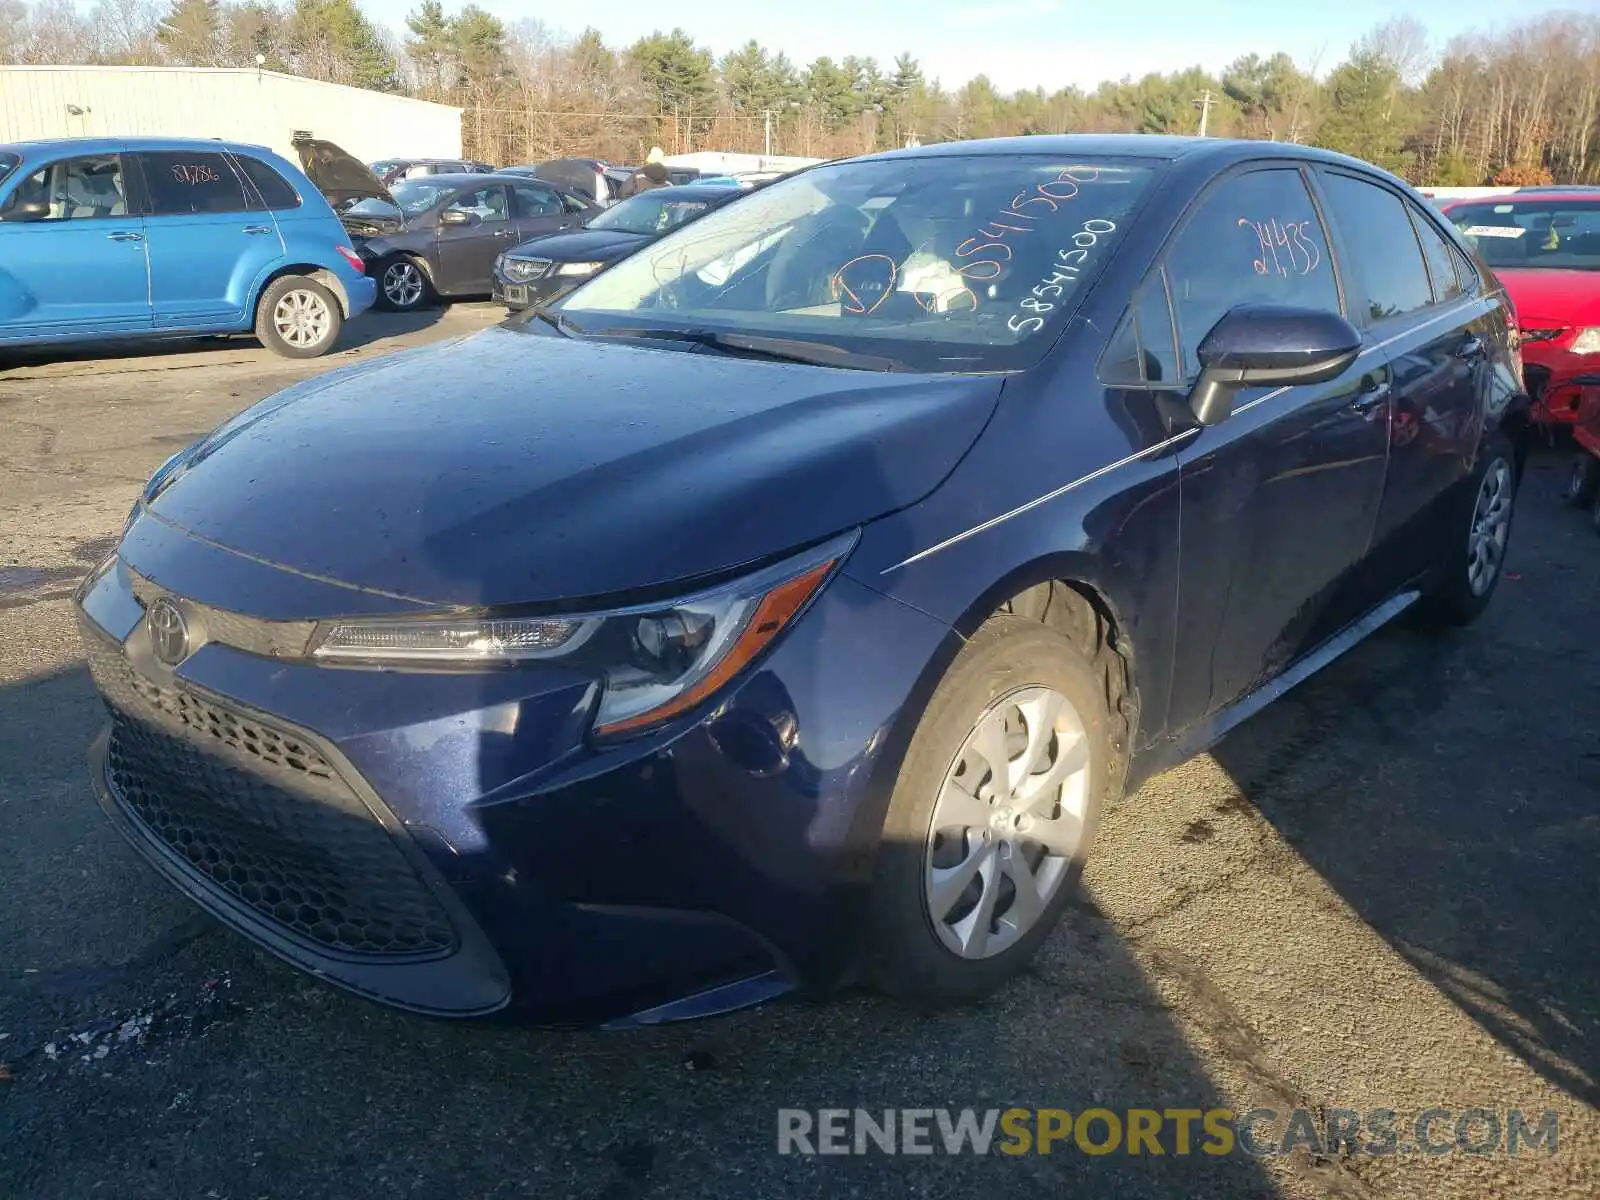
(655, 660)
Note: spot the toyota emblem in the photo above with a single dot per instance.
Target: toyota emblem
(169, 632)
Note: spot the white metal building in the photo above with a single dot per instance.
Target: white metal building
(238, 103)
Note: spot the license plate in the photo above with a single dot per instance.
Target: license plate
(516, 294)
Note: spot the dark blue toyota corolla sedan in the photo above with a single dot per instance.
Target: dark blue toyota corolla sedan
(785, 603)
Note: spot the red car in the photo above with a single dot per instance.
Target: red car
(1544, 244)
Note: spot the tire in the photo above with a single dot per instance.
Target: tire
(298, 318)
(932, 959)
(402, 284)
(1583, 481)
(1470, 577)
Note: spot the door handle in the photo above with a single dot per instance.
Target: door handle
(1471, 348)
(125, 236)
(258, 228)
(1373, 397)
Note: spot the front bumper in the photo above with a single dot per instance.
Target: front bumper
(710, 865)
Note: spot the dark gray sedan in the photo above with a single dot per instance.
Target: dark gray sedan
(552, 265)
(440, 235)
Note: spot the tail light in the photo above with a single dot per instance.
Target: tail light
(351, 257)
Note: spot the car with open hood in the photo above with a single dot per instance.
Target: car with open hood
(439, 235)
(538, 271)
(1544, 244)
(784, 605)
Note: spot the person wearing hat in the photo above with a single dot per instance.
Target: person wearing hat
(652, 175)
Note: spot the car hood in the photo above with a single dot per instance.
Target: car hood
(584, 245)
(512, 467)
(340, 176)
(1551, 296)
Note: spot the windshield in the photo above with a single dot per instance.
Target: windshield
(648, 214)
(1533, 233)
(385, 165)
(8, 164)
(960, 263)
(413, 196)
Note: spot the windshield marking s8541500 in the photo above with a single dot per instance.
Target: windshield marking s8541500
(963, 263)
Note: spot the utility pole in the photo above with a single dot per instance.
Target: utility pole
(1204, 105)
(766, 115)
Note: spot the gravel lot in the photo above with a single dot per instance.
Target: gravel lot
(1381, 893)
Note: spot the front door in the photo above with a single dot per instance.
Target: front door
(1279, 500)
(209, 241)
(467, 250)
(1436, 340)
(75, 263)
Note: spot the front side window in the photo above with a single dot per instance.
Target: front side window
(1382, 246)
(646, 214)
(1143, 351)
(485, 203)
(1254, 239)
(186, 183)
(949, 263)
(74, 189)
(1533, 234)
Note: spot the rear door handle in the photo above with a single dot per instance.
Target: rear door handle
(1471, 348)
(1374, 397)
(258, 228)
(125, 236)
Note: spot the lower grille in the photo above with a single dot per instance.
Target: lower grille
(261, 814)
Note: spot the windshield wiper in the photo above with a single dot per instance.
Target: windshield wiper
(562, 325)
(750, 345)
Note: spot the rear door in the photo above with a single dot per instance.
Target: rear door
(80, 269)
(209, 240)
(539, 210)
(467, 250)
(1435, 340)
(1279, 500)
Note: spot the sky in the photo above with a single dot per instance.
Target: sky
(1016, 43)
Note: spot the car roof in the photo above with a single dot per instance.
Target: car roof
(690, 191)
(110, 145)
(478, 177)
(1551, 193)
(1218, 151)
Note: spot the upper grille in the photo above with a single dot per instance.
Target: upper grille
(262, 814)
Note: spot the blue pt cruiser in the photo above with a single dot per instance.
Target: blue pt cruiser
(160, 237)
(784, 604)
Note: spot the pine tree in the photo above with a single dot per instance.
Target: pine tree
(191, 33)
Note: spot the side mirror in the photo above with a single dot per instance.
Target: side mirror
(456, 216)
(1269, 345)
(27, 210)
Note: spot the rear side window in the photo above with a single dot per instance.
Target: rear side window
(189, 183)
(1382, 246)
(8, 164)
(275, 191)
(535, 201)
(1255, 239)
(1441, 263)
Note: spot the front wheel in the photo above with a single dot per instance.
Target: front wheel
(1474, 564)
(1583, 481)
(402, 285)
(991, 817)
(298, 318)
